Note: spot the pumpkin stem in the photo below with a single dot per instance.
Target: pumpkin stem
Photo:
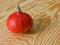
(18, 8)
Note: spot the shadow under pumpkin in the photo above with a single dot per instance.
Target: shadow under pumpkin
(44, 22)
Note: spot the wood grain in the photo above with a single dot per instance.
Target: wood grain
(46, 27)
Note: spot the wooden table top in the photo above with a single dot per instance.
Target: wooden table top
(46, 27)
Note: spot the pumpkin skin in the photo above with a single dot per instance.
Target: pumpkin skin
(19, 22)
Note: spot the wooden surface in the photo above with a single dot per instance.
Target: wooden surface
(46, 17)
